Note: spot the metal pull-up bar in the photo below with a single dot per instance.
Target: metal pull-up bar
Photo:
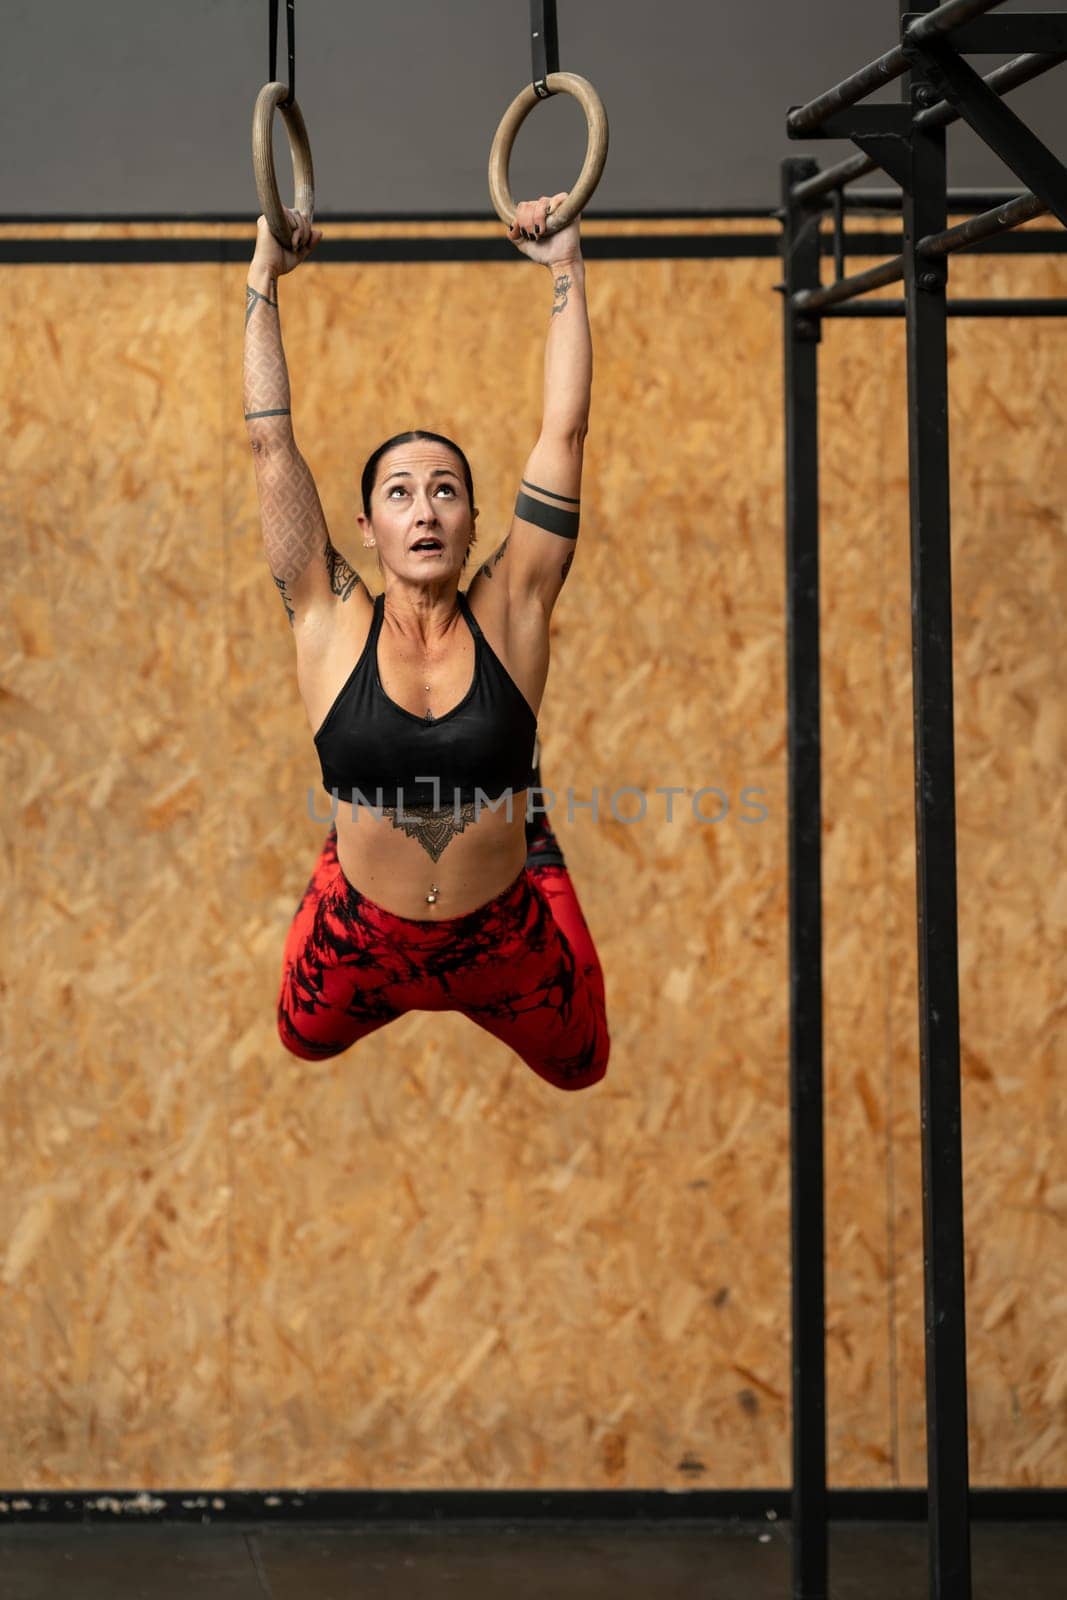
(806, 119)
(1023, 209)
(933, 247)
(1012, 75)
(948, 90)
(908, 141)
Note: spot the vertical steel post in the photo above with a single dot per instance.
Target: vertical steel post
(800, 245)
(925, 212)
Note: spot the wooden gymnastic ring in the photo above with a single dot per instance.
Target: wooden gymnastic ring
(268, 100)
(596, 152)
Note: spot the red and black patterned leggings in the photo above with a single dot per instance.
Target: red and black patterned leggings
(523, 967)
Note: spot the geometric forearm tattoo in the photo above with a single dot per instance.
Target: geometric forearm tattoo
(266, 378)
(294, 528)
(292, 519)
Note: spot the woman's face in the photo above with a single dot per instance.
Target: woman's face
(421, 521)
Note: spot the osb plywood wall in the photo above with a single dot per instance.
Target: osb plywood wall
(418, 1265)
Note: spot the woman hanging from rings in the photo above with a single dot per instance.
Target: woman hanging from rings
(432, 892)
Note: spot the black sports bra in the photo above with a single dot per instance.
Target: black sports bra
(378, 754)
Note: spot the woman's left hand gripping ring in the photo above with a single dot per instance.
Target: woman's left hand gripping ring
(270, 98)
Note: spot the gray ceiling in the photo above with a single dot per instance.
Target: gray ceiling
(141, 107)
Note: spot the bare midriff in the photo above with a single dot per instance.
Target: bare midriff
(396, 871)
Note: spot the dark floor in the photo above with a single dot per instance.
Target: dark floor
(504, 1561)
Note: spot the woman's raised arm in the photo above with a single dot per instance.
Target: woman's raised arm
(304, 564)
(537, 553)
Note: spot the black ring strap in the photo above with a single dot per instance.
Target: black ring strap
(290, 29)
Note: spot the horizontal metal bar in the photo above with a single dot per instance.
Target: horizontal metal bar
(882, 119)
(999, 220)
(878, 246)
(958, 200)
(834, 177)
(1008, 33)
(958, 308)
(945, 18)
(859, 283)
(805, 119)
(933, 247)
(1012, 75)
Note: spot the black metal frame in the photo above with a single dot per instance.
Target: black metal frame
(907, 141)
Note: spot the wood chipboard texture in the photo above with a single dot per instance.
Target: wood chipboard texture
(418, 1265)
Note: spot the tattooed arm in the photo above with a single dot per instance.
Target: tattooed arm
(535, 558)
(307, 569)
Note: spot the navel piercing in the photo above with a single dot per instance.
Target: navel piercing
(432, 896)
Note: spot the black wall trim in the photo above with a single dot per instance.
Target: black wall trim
(637, 247)
(859, 199)
(562, 1505)
(382, 218)
(143, 251)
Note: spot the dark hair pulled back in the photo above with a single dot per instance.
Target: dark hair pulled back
(370, 471)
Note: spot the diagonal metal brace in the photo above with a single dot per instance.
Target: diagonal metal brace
(1009, 137)
(891, 153)
(881, 132)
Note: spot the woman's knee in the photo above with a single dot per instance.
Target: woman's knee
(588, 1070)
(582, 1081)
(306, 1049)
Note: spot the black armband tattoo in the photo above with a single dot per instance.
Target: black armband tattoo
(282, 411)
(552, 495)
(551, 518)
